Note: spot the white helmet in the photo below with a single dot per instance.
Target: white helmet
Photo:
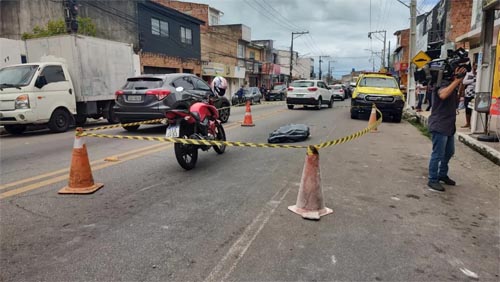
(219, 85)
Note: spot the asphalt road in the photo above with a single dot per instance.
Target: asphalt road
(228, 220)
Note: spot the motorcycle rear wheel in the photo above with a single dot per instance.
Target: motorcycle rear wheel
(186, 155)
(220, 135)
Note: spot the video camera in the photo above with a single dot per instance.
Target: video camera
(438, 70)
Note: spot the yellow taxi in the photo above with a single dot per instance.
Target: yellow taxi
(380, 89)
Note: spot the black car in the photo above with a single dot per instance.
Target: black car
(277, 93)
(148, 97)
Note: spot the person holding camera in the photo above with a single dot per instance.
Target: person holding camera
(442, 127)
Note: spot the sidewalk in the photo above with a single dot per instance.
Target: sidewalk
(490, 150)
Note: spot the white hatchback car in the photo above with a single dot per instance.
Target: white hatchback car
(338, 91)
(309, 93)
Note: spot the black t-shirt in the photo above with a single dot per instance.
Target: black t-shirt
(444, 116)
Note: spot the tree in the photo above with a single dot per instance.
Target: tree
(56, 27)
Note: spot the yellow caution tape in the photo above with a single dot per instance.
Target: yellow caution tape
(236, 143)
(160, 120)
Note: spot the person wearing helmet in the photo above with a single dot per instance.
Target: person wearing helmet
(219, 85)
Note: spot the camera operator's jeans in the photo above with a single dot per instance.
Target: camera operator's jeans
(443, 148)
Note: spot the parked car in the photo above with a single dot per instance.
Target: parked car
(278, 92)
(338, 91)
(309, 93)
(148, 97)
(380, 89)
(251, 94)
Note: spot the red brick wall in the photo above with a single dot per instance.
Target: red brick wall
(458, 18)
(405, 42)
(199, 11)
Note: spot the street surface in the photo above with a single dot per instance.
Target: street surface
(228, 219)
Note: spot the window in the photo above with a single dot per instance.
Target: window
(184, 82)
(200, 85)
(159, 27)
(140, 83)
(53, 74)
(241, 51)
(186, 35)
(378, 82)
(252, 55)
(214, 20)
(302, 83)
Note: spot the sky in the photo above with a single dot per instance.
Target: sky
(337, 28)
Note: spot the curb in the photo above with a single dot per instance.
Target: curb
(485, 150)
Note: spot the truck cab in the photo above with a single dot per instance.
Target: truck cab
(36, 93)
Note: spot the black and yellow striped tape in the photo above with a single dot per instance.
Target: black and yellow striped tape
(237, 143)
(160, 120)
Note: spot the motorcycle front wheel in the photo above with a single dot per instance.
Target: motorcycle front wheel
(220, 135)
(186, 154)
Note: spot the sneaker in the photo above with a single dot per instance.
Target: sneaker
(447, 181)
(435, 187)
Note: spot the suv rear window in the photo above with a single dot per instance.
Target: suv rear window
(278, 87)
(378, 82)
(302, 83)
(139, 83)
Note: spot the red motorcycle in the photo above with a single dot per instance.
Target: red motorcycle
(200, 122)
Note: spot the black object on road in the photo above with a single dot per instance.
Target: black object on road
(289, 133)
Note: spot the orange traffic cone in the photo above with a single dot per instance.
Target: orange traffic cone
(80, 174)
(373, 119)
(248, 116)
(310, 203)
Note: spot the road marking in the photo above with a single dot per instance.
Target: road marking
(66, 170)
(98, 164)
(227, 264)
(64, 177)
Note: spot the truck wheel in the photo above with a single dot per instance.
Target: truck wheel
(15, 129)
(59, 121)
(397, 118)
(354, 115)
(290, 107)
(112, 118)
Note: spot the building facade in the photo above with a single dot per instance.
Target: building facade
(400, 56)
(166, 40)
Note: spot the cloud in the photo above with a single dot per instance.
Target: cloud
(338, 28)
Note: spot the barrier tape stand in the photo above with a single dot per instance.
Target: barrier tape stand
(227, 143)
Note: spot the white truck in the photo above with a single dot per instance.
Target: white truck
(67, 79)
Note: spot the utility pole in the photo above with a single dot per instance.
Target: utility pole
(389, 57)
(291, 50)
(411, 53)
(324, 56)
(383, 50)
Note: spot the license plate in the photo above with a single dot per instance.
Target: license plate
(300, 95)
(172, 131)
(134, 98)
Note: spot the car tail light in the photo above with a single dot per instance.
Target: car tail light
(118, 93)
(159, 93)
(341, 91)
(290, 88)
(312, 89)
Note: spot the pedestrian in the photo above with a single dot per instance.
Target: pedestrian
(442, 127)
(421, 89)
(428, 95)
(470, 85)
